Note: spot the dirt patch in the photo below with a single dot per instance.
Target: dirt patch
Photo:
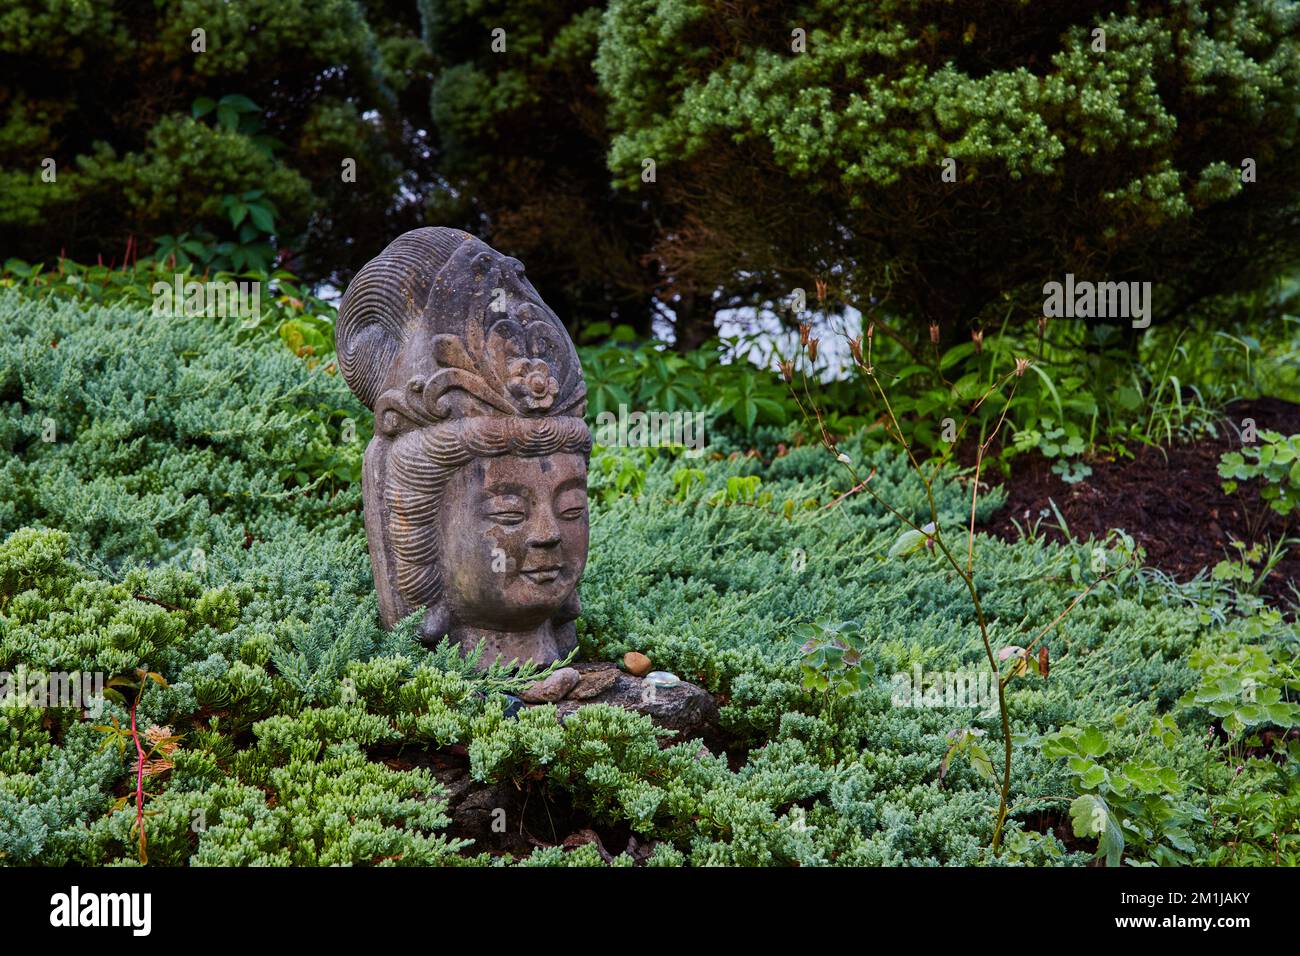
(1170, 499)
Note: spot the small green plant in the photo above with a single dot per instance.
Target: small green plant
(333, 450)
(1246, 572)
(742, 490)
(833, 658)
(184, 250)
(253, 216)
(1251, 692)
(1276, 460)
(236, 113)
(684, 479)
(618, 472)
(1258, 819)
(1246, 690)
(1132, 804)
(965, 742)
(1061, 444)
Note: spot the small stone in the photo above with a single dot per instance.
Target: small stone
(513, 704)
(662, 679)
(594, 683)
(638, 665)
(553, 688)
(689, 710)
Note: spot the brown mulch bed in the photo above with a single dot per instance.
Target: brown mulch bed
(1170, 499)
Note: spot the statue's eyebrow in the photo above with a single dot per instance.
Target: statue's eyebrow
(505, 488)
(569, 484)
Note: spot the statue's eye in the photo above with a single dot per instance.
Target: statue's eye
(506, 509)
(571, 505)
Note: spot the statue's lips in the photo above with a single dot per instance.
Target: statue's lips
(543, 575)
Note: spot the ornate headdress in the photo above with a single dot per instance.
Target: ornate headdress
(442, 326)
(447, 341)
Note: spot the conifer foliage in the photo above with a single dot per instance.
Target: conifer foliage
(157, 528)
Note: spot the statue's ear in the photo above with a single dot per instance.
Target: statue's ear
(435, 626)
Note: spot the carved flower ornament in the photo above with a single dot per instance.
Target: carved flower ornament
(531, 382)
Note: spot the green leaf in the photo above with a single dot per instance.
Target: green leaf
(1061, 744)
(262, 217)
(909, 541)
(1090, 816)
(1092, 742)
(956, 354)
(227, 118)
(239, 103)
(1051, 388)
(981, 764)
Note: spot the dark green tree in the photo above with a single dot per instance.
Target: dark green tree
(240, 144)
(798, 141)
(522, 140)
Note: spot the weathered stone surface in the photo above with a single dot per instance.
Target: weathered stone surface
(475, 483)
(552, 688)
(687, 709)
(594, 683)
(637, 664)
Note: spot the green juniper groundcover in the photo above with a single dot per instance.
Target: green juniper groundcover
(176, 500)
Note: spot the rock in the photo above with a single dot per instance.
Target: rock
(639, 852)
(585, 836)
(660, 679)
(553, 688)
(593, 683)
(638, 665)
(685, 708)
(477, 810)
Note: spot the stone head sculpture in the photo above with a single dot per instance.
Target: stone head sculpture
(475, 484)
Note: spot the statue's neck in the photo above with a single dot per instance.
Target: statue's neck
(539, 645)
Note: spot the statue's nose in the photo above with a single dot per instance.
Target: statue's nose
(544, 532)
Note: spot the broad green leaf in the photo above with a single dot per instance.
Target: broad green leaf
(1093, 743)
(262, 217)
(909, 541)
(981, 764)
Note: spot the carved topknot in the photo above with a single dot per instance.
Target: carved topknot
(440, 325)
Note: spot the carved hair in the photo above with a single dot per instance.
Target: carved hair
(377, 312)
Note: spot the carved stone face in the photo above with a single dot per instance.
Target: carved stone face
(474, 485)
(514, 539)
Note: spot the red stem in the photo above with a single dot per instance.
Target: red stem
(139, 773)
